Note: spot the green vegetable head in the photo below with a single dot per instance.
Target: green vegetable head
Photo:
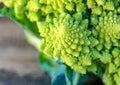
(84, 34)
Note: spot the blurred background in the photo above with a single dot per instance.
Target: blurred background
(18, 59)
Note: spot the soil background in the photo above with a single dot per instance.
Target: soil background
(18, 59)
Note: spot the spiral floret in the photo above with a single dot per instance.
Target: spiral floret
(68, 40)
(108, 34)
(84, 34)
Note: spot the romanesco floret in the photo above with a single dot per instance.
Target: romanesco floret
(84, 34)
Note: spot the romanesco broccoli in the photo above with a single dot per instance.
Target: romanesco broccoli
(84, 34)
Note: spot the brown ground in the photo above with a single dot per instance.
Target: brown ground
(18, 57)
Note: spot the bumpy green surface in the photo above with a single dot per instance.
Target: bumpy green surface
(84, 34)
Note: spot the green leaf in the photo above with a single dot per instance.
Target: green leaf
(25, 22)
(59, 79)
(74, 78)
(50, 65)
(68, 75)
(4, 11)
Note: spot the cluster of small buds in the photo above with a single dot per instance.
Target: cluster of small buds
(84, 34)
